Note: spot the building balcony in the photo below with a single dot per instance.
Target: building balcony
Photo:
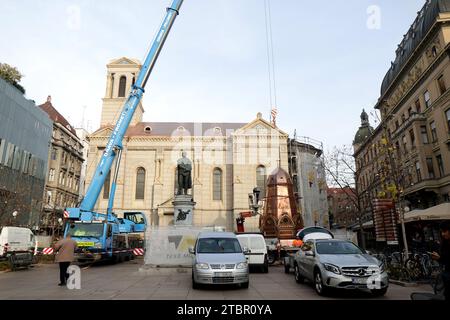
(405, 125)
(428, 184)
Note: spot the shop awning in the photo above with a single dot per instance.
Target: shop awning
(440, 212)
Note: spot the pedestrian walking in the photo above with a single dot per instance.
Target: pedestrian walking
(66, 249)
(443, 257)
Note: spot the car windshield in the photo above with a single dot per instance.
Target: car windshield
(337, 247)
(86, 230)
(218, 245)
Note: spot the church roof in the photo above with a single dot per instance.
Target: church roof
(183, 129)
(426, 18)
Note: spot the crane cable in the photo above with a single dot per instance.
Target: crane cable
(271, 62)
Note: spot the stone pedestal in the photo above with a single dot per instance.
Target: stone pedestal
(183, 206)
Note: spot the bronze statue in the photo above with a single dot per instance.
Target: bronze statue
(184, 168)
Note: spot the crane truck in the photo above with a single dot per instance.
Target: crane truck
(103, 236)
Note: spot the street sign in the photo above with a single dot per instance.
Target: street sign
(385, 221)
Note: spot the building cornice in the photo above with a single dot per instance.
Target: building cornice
(414, 58)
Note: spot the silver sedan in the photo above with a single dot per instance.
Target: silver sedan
(339, 264)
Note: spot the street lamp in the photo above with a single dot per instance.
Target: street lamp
(14, 214)
(254, 205)
(253, 200)
(60, 222)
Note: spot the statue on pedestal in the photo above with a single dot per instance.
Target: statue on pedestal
(184, 168)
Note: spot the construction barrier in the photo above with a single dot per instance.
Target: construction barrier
(47, 251)
(138, 252)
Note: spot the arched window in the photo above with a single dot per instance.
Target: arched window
(122, 86)
(140, 183)
(261, 180)
(217, 184)
(106, 186)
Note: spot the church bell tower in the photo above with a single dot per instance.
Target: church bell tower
(121, 75)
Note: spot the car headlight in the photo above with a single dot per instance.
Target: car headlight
(382, 267)
(331, 268)
(98, 245)
(203, 266)
(242, 265)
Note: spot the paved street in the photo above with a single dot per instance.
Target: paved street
(127, 281)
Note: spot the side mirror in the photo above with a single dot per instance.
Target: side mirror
(246, 250)
(309, 254)
(191, 250)
(368, 252)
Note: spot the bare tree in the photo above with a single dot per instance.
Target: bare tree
(342, 173)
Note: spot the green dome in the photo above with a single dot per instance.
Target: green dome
(365, 131)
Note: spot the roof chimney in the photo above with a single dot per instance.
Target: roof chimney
(49, 99)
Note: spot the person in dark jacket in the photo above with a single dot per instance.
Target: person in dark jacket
(444, 257)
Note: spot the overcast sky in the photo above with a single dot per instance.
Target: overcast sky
(330, 57)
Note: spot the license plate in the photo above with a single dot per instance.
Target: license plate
(223, 274)
(85, 244)
(359, 281)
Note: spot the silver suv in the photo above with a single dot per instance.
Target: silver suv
(219, 259)
(331, 263)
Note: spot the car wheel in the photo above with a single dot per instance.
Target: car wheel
(271, 258)
(266, 268)
(195, 285)
(298, 277)
(115, 259)
(318, 284)
(287, 267)
(245, 285)
(379, 292)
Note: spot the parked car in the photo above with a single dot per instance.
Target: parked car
(17, 245)
(314, 233)
(340, 264)
(309, 233)
(256, 244)
(219, 259)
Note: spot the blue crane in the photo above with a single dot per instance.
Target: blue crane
(112, 225)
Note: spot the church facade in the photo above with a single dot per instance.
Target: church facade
(228, 160)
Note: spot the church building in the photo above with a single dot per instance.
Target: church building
(228, 160)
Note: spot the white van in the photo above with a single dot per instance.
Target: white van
(16, 239)
(256, 243)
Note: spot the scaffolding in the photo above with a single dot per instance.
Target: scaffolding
(306, 168)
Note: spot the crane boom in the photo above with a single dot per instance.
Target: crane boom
(114, 144)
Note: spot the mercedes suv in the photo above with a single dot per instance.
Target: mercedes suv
(331, 263)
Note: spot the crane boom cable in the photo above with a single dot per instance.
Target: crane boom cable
(273, 54)
(270, 61)
(268, 58)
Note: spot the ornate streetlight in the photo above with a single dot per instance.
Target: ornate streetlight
(14, 214)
